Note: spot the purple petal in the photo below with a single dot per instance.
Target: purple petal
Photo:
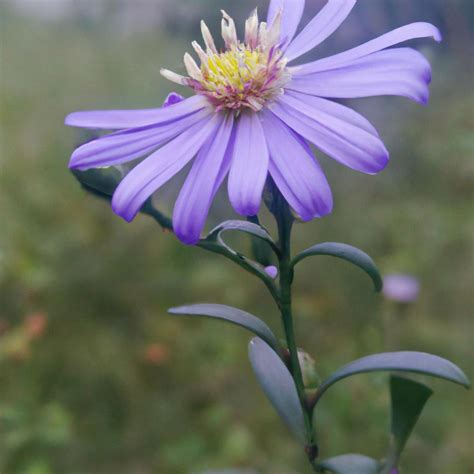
(117, 119)
(323, 25)
(130, 144)
(339, 111)
(295, 171)
(249, 167)
(173, 98)
(159, 167)
(194, 201)
(334, 130)
(292, 12)
(225, 167)
(404, 33)
(399, 71)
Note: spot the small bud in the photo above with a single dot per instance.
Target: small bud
(271, 271)
(311, 378)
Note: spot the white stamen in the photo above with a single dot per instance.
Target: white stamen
(229, 32)
(208, 39)
(173, 77)
(273, 33)
(251, 30)
(193, 69)
(255, 104)
(200, 52)
(262, 32)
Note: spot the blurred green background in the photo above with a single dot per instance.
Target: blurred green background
(95, 377)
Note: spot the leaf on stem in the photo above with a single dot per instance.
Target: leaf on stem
(254, 230)
(351, 464)
(348, 253)
(408, 399)
(406, 361)
(215, 243)
(232, 315)
(278, 385)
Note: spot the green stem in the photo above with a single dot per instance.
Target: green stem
(285, 224)
(392, 458)
(244, 263)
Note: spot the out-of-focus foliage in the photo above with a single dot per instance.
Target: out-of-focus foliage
(95, 377)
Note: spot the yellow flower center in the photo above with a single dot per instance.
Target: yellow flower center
(246, 74)
(235, 69)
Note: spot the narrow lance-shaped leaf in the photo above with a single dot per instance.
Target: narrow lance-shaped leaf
(348, 253)
(351, 464)
(232, 315)
(408, 399)
(407, 361)
(277, 383)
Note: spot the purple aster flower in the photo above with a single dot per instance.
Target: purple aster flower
(401, 288)
(253, 114)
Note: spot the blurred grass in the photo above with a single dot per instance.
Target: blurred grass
(109, 383)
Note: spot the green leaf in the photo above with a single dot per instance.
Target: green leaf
(277, 383)
(101, 182)
(232, 315)
(408, 400)
(351, 464)
(348, 253)
(262, 252)
(241, 226)
(214, 243)
(417, 362)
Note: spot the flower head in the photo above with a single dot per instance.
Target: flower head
(253, 114)
(401, 288)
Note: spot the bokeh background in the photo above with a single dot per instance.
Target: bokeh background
(95, 377)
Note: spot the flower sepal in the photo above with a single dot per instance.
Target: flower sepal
(100, 182)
